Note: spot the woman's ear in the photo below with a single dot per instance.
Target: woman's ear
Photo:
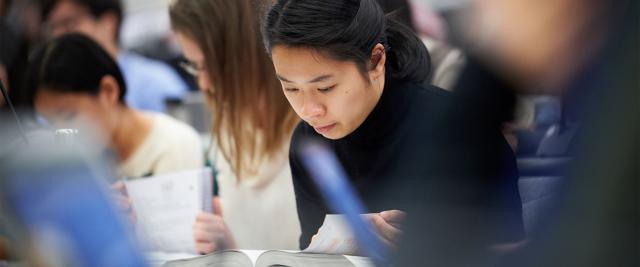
(377, 61)
(109, 91)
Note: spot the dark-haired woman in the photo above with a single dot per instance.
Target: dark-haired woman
(78, 85)
(354, 78)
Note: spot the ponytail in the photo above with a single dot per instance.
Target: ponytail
(407, 56)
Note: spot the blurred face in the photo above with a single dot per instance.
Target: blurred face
(195, 66)
(4, 80)
(69, 17)
(332, 96)
(90, 114)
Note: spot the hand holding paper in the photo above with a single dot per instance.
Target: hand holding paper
(123, 201)
(388, 226)
(211, 233)
(334, 236)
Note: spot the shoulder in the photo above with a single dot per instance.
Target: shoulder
(128, 59)
(427, 100)
(428, 92)
(151, 71)
(173, 131)
(179, 146)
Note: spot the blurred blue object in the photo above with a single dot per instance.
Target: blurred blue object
(538, 194)
(57, 195)
(336, 190)
(547, 115)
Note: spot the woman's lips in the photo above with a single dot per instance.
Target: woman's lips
(324, 129)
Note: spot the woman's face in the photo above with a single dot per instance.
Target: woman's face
(93, 115)
(330, 95)
(196, 65)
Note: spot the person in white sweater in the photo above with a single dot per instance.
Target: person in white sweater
(78, 85)
(252, 126)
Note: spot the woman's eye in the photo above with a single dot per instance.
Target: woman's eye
(326, 89)
(291, 90)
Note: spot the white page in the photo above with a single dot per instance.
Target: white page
(252, 254)
(157, 258)
(359, 261)
(334, 237)
(166, 207)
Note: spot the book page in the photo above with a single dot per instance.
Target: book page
(284, 258)
(333, 237)
(266, 258)
(253, 254)
(359, 261)
(166, 207)
(157, 258)
(227, 258)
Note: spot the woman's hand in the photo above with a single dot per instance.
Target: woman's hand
(211, 233)
(388, 226)
(123, 202)
(332, 239)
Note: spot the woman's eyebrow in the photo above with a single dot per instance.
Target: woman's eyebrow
(314, 80)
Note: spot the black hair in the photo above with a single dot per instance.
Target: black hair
(97, 8)
(347, 30)
(73, 63)
(398, 10)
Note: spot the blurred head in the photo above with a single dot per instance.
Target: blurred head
(4, 6)
(3, 80)
(221, 39)
(78, 85)
(99, 19)
(332, 58)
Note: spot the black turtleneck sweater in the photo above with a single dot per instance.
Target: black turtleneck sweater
(405, 155)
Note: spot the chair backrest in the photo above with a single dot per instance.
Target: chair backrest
(537, 194)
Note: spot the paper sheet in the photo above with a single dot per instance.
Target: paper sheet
(334, 237)
(166, 207)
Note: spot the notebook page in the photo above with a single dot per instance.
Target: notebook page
(166, 207)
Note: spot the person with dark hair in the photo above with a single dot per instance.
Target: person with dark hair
(355, 78)
(78, 85)
(150, 82)
(17, 21)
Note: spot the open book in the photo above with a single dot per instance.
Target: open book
(166, 207)
(262, 258)
(328, 248)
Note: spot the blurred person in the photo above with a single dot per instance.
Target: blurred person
(585, 52)
(446, 61)
(25, 18)
(519, 38)
(356, 78)
(78, 85)
(17, 20)
(150, 82)
(54, 208)
(252, 124)
(3, 80)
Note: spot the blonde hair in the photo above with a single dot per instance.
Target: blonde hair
(247, 102)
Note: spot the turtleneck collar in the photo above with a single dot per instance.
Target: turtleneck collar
(385, 116)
